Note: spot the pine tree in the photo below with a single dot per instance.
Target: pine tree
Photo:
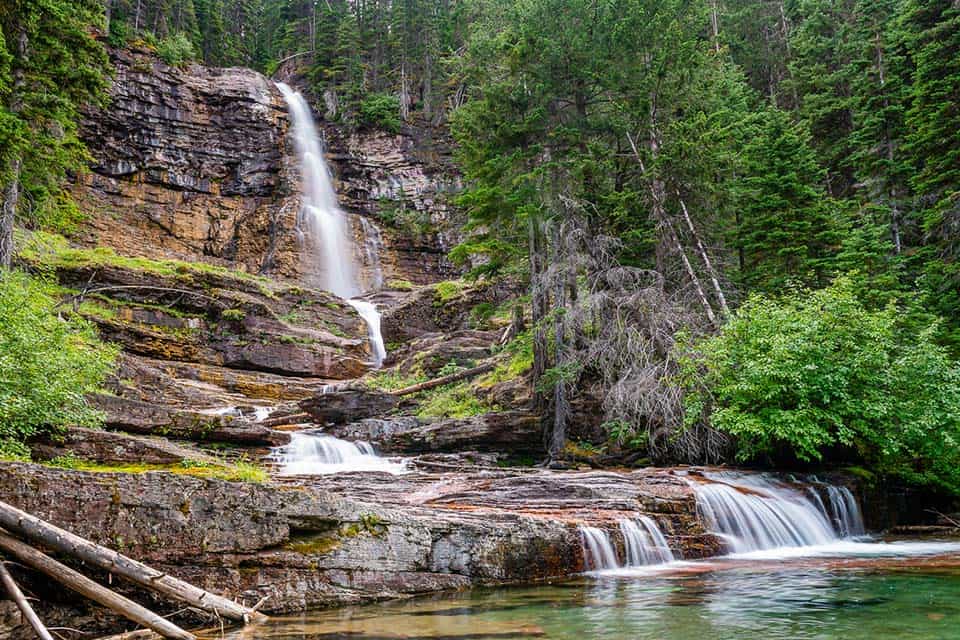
(878, 103)
(787, 230)
(934, 117)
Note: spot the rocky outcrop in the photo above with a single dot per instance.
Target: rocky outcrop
(338, 406)
(171, 311)
(148, 418)
(112, 448)
(351, 538)
(509, 432)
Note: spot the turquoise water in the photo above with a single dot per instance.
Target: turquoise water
(808, 599)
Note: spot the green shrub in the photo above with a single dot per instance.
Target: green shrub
(815, 370)
(381, 111)
(47, 362)
(176, 50)
(233, 315)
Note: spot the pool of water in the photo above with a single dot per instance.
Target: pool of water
(832, 596)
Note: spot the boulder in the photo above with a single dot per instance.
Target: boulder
(134, 416)
(340, 406)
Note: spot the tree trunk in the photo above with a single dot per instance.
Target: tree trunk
(715, 24)
(658, 196)
(439, 382)
(558, 434)
(705, 257)
(33, 528)
(90, 589)
(21, 601)
(538, 309)
(8, 214)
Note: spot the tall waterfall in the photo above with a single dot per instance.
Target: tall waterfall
(643, 544)
(325, 222)
(320, 454)
(753, 512)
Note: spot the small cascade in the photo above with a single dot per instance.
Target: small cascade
(320, 454)
(325, 222)
(599, 554)
(372, 248)
(753, 512)
(368, 311)
(847, 518)
(644, 542)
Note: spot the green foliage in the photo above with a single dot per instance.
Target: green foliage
(453, 401)
(816, 370)
(51, 65)
(47, 362)
(447, 291)
(233, 315)
(14, 451)
(380, 111)
(176, 50)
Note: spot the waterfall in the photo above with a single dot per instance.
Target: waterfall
(644, 542)
(320, 454)
(753, 512)
(846, 512)
(599, 550)
(372, 248)
(325, 222)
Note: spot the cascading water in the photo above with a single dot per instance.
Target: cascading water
(599, 554)
(325, 222)
(753, 512)
(372, 247)
(320, 454)
(643, 543)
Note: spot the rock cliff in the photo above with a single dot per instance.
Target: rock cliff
(193, 164)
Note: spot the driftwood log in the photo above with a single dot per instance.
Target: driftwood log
(90, 589)
(21, 601)
(439, 382)
(33, 528)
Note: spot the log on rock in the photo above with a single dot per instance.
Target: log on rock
(21, 601)
(33, 528)
(439, 382)
(90, 589)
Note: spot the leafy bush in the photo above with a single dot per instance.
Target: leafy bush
(47, 363)
(382, 111)
(817, 372)
(176, 50)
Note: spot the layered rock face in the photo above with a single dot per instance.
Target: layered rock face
(195, 164)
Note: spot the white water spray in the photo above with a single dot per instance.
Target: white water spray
(753, 512)
(319, 454)
(325, 222)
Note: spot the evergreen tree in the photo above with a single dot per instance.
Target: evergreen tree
(788, 229)
(51, 64)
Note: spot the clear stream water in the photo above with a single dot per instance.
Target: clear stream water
(730, 600)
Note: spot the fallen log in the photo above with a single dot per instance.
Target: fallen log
(21, 601)
(439, 382)
(90, 589)
(33, 528)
